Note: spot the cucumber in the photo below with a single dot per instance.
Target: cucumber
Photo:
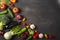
(3, 12)
(10, 13)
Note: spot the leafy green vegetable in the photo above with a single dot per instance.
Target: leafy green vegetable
(1, 26)
(4, 2)
(3, 21)
(15, 29)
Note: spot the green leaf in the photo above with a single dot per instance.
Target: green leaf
(15, 29)
(4, 19)
(4, 2)
(1, 26)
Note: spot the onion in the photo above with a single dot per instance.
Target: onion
(8, 35)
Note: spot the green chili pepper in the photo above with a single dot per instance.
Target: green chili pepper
(22, 31)
(11, 13)
(3, 12)
(29, 38)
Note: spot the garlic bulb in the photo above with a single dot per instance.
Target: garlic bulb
(32, 26)
(40, 35)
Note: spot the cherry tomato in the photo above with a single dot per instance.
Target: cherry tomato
(19, 17)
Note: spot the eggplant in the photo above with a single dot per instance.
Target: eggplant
(11, 24)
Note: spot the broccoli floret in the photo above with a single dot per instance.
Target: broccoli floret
(3, 21)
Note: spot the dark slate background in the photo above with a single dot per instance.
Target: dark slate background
(45, 14)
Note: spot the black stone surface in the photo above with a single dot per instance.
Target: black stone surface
(45, 14)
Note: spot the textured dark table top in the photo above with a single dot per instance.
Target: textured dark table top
(45, 14)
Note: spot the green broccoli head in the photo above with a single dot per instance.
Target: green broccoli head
(3, 21)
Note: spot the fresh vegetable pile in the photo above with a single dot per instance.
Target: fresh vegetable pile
(11, 19)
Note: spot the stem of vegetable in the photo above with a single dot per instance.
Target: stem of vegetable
(1, 26)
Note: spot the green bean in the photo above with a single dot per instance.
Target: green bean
(3, 12)
(11, 13)
(29, 37)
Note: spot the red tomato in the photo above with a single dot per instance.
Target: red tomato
(3, 6)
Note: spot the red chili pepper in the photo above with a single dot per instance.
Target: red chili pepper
(36, 35)
(51, 36)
